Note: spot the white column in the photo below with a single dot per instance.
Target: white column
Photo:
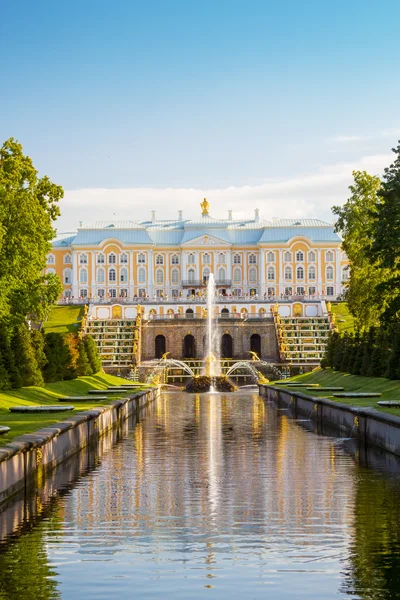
(150, 273)
(197, 274)
(92, 290)
(167, 267)
(338, 286)
(319, 272)
(229, 274)
(244, 271)
(281, 272)
(131, 282)
(74, 274)
(261, 259)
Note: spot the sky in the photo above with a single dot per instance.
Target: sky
(152, 105)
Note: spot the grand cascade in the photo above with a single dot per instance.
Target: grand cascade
(145, 286)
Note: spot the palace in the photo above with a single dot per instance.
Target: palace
(142, 280)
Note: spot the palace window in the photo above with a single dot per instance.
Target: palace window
(300, 291)
(311, 256)
(191, 259)
(175, 293)
(287, 257)
(83, 276)
(237, 292)
(271, 291)
(67, 259)
(50, 272)
(112, 293)
(112, 275)
(175, 276)
(175, 259)
(311, 291)
(330, 291)
(159, 276)
(252, 275)
(344, 255)
(141, 259)
(83, 259)
(123, 293)
(311, 273)
(221, 258)
(206, 275)
(112, 259)
(299, 256)
(191, 275)
(141, 292)
(101, 293)
(159, 259)
(300, 273)
(237, 259)
(253, 292)
(124, 275)
(51, 259)
(288, 291)
(100, 276)
(221, 275)
(271, 273)
(67, 294)
(142, 276)
(83, 293)
(206, 259)
(100, 259)
(67, 276)
(329, 273)
(329, 256)
(288, 273)
(124, 259)
(237, 275)
(252, 259)
(346, 273)
(271, 257)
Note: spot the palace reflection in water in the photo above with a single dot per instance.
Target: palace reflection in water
(214, 494)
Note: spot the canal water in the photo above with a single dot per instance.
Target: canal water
(209, 496)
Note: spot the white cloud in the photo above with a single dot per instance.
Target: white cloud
(301, 196)
(348, 139)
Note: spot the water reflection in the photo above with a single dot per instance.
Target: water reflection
(218, 493)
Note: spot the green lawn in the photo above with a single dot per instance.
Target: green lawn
(64, 319)
(389, 388)
(26, 423)
(344, 320)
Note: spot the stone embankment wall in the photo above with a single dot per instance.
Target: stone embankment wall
(29, 457)
(370, 426)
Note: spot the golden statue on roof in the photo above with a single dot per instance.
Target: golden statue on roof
(205, 207)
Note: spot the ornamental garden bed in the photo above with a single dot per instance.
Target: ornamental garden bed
(47, 408)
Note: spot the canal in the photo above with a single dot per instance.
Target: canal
(211, 496)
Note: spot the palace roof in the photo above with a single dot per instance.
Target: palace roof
(177, 232)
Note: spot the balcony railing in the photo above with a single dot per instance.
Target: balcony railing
(201, 283)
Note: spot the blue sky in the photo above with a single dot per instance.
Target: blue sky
(132, 104)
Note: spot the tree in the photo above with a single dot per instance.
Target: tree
(92, 353)
(83, 366)
(355, 222)
(28, 208)
(13, 379)
(58, 356)
(393, 369)
(25, 356)
(385, 248)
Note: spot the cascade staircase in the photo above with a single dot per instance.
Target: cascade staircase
(302, 340)
(117, 340)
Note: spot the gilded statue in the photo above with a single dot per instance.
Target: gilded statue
(254, 355)
(165, 355)
(205, 206)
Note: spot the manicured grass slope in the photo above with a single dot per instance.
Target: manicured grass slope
(344, 320)
(64, 319)
(389, 389)
(26, 423)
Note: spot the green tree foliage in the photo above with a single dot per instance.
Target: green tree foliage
(13, 378)
(355, 223)
(59, 358)
(28, 208)
(92, 353)
(393, 366)
(37, 338)
(83, 365)
(385, 248)
(25, 356)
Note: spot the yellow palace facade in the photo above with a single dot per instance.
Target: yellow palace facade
(166, 260)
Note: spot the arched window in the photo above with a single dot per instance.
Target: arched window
(159, 276)
(83, 276)
(50, 271)
(226, 344)
(83, 259)
(299, 256)
(206, 259)
(124, 275)
(67, 259)
(221, 275)
(237, 259)
(124, 259)
(271, 257)
(252, 259)
(141, 259)
(112, 275)
(288, 273)
(311, 256)
(175, 276)
(189, 313)
(345, 273)
(311, 273)
(329, 256)
(271, 273)
(300, 273)
(112, 259)
(160, 345)
(237, 275)
(206, 274)
(67, 276)
(51, 259)
(83, 293)
(112, 293)
(329, 291)
(288, 257)
(221, 258)
(191, 259)
(100, 276)
(100, 259)
(159, 259)
(175, 259)
(255, 344)
(252, 275)
(329, 273)
(142, 276)
(191, 275)
(189, 346)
